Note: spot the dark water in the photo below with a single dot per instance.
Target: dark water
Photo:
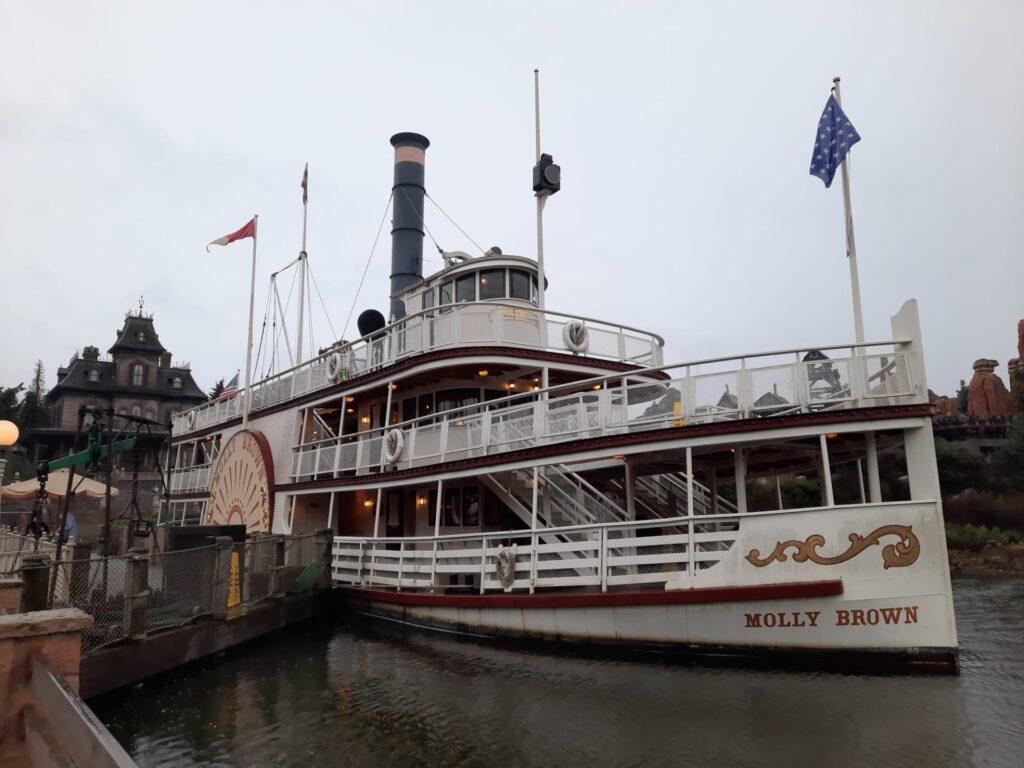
(357, 696)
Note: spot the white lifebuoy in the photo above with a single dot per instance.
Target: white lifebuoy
(333, 365)
(505, 566)
(576, 337)
(190, 419)
(394, 442)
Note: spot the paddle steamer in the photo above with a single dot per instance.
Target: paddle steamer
(493, 467)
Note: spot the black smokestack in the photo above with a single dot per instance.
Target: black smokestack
(407, 232)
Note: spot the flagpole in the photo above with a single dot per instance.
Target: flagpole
(302, 269)
(248, 348)
(851, 244)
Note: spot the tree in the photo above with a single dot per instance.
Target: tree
(217, 389)
(10, 407)
(35, 408)
(961, 396)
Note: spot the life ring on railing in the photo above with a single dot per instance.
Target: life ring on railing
(334, 363)
(576, 337)
(505, 566)
(190, 419)
(394, 442)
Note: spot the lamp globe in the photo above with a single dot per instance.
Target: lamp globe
(8, 433)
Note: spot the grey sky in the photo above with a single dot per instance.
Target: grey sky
(131, 134)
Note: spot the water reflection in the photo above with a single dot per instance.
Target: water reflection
(358, 695)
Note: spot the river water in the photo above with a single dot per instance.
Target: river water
(354, 695)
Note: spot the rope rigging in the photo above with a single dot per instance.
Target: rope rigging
(369, 258)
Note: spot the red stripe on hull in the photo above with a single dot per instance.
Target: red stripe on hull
(603, 599)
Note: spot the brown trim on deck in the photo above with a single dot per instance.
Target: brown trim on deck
(700, 595)
(429, 357)
(654, 435)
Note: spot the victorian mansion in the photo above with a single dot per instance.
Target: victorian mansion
(136, 378)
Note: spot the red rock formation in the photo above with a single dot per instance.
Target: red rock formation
(944, 406)
(1015, 370)
(986, 394)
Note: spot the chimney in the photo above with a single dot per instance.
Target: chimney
(407, 231)
(90, 353)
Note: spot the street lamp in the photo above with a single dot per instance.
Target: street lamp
(8, 437)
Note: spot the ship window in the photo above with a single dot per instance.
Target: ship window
(94, 375)
(445, 296)
(457, 398)
(428, 298)
(465, 289)
(519, 284)
(426, 405)
(533, 289)
(461, 507)
(137, 374)
(136, 411)
(492, 284)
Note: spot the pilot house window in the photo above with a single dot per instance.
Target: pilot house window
(137, 373)
(465, 289)
(492, 284)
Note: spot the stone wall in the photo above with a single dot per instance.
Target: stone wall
(50, 637)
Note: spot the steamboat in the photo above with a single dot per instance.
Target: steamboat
(492, 467)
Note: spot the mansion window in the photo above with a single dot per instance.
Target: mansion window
(137, 375)
(94, 375)
(136, 411)
(176, 382)
(142, 336)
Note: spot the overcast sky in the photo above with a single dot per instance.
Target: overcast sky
(131, 134)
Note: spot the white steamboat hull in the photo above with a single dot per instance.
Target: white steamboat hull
(873, 584)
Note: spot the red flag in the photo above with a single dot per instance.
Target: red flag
(249, 230)
(305, 182)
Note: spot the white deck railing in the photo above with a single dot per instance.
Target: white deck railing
(451, 326)
(188, 479)
(745, 392)
(601, 555)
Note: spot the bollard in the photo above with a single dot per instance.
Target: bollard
(323, 540)
(136, 594)
(35, 582)
(221, 576)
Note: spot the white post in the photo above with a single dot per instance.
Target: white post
(690, 544)
(376, 515)
(248, 347)
(826, 472)
(533, 528)
(778, 491)
(851, 246)
(874, 484)
(630, 501)
(740, 465)
(860, 481)
(330, 513)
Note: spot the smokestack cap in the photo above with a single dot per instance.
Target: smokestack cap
(408, 139)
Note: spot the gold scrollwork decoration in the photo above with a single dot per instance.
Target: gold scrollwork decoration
(899, 555)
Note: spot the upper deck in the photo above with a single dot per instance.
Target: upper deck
(499, 324)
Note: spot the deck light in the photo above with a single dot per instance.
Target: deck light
(350, 399)
(394, 387)
(364, 420)
(368, 503)
(8, 433)
(483, 373)
(831, 435)
(350, 410)
(596, 387)
(619, 456)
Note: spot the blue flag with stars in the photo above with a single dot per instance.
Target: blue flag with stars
(836, 135)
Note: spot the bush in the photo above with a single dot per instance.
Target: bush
(976, 536)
